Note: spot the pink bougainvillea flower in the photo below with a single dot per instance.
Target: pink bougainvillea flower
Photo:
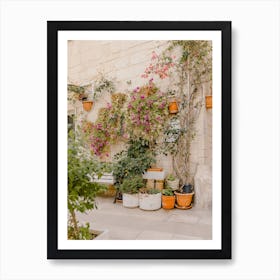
(142, 97)
(154, 55)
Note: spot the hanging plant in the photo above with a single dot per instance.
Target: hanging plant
(108, 127)
(75, 92)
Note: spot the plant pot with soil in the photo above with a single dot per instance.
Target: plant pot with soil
(130, 188)
(183, 200)
(167, 199)
(150, 199)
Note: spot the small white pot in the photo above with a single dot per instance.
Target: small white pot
(150, 201)
(174, 185)
(130, 200)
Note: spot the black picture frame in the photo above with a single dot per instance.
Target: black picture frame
(53, 27)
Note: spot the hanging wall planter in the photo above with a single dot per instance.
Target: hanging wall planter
(173, 107)
(208, 101)
(87, 105)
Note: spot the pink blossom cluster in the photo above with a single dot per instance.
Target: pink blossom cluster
(159, 66)
(146, 113)
(98, 139)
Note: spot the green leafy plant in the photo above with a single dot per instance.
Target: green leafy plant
(131, 185)
(81, 192)
(132, 161)
(75, 92)
(102, 85)
(167, 192)
(84, 233)
(171, 177)
(152, 191)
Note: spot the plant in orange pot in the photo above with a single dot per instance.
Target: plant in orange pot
(183, 198)
(168, 199)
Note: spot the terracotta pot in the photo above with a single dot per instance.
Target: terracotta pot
(208, 101)
(87, 105)
(173, 107)
(184, 199)
(167, 202)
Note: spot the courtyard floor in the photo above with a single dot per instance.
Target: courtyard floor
(135, 224)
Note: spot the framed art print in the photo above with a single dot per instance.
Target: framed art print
(139, 140)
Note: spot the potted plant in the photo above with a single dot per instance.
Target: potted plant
(173, 106)
(172, 182)
(184, 199)
(133, 161)
(150, 199)
(130, 188)
(167, 199)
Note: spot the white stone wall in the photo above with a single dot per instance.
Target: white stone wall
(125, 61)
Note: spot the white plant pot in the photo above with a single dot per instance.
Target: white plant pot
(174, 185)
(150, 201)
(130, 200)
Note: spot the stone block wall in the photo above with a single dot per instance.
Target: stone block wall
(124, 62)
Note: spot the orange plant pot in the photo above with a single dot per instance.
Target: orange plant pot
(167, 202)
(208, 101)
(87, 105)
(173, 107)
(184, 199)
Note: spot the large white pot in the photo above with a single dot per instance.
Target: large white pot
(150, 201)
(130, 200)
(174, 185)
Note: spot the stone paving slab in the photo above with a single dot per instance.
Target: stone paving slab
(136, 224)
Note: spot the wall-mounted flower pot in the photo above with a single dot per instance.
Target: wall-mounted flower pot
(87, 105)
(184, 200)
(208, 101)
(168, 202)
(173, 107)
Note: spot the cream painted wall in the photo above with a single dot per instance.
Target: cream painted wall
(125, 61)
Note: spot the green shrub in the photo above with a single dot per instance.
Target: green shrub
(132, 185)
(167, 192)
(81, 192)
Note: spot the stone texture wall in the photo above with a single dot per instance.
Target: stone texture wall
(124, 62)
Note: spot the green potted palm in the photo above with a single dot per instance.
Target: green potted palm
(130, 188)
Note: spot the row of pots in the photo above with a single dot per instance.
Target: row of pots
(172, 106)
(147, 201)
